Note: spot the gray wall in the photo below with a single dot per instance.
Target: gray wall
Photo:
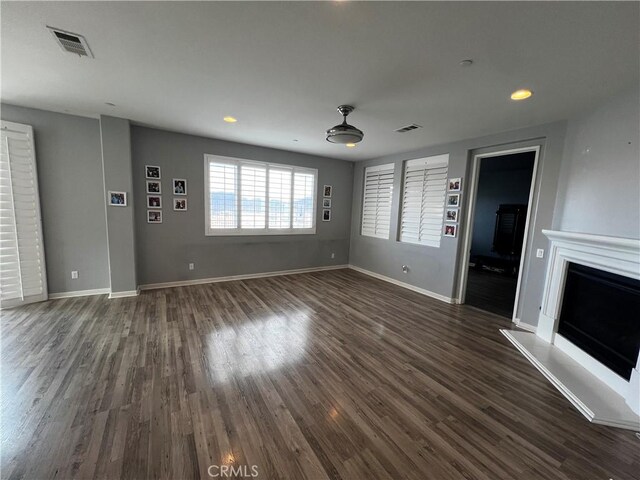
(600, 180)
(436, 269)
(502, 180)
(115, 135)
(165, 250)
(71, 196)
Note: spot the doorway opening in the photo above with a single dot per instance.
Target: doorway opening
(501, 194)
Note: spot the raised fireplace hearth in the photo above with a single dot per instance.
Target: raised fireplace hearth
(588, 335)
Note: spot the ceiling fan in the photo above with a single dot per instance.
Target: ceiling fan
(344, 133)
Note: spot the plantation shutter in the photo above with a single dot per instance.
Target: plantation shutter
(22, 267)
(280, 189)
(253, 185)
(304, 186)
(376, 202)
(223, 195)
(425, 184)
(248, 197)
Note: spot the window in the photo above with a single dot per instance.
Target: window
(376, 200)
(22, 268)
(424, 190)
(244, 197)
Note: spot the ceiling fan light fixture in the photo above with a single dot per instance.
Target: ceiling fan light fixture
(344, 133)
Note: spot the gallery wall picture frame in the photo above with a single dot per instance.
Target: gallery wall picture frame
(455, 184)
(452, 214)
(453, 200)
(154, 216)
(154, 201)
(180, 204)
(450, 230)
(326, 215)
(154, 187)
(326, 203)
(327, 191)
(179, 186)
(152, 172)
(117, 199)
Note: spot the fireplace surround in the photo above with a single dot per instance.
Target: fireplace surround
(595, 389)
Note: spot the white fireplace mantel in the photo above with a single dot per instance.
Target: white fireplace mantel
(615, 255)
(599, 393)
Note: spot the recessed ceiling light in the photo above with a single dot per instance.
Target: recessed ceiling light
(350, 145)
(110, 104)
(466, 63)
(230, 119)
(521, 94)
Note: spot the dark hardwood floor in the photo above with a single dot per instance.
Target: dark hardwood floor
(322, 375)
(493, 292)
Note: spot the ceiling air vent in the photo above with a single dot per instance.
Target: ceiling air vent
(71, 42)
(408, 128)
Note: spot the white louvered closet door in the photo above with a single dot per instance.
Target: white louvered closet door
(22, 269)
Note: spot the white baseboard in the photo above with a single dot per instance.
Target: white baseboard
(408, 286)
(248, 276)
(79, 293)
(126, 293)
(524, 326)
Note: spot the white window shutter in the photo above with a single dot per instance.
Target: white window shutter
(22, 266)
(280, 190)
(253, 188)
(424, 191)
(304, 186)
(249, 197)
(223, 195)
(376, 200)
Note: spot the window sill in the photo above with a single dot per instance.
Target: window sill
(258, 233)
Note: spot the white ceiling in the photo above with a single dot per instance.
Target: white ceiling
(282, 68)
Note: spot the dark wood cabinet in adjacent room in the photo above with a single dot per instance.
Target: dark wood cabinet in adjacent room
(509, 230)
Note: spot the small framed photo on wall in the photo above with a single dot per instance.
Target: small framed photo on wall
(154, 216)
(453, 200)
(180, 204)
(117, 199)
(327, 191)
(452, 215)
(326, 215)
(151, 171)
(154, 201)
(154, 187)
(450, 230)
(455, 184)
(326, 203)
(179, 186)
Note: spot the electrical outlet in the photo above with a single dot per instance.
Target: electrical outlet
(191, 266)
(333, 255)
(74, 275)
(540, 253)
(405, 269)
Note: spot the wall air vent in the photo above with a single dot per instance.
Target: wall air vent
(71, 42)
(408, 128)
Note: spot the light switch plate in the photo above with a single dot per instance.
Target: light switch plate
(540, 253)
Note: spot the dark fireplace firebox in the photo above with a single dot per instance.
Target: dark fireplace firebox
(601, 315)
